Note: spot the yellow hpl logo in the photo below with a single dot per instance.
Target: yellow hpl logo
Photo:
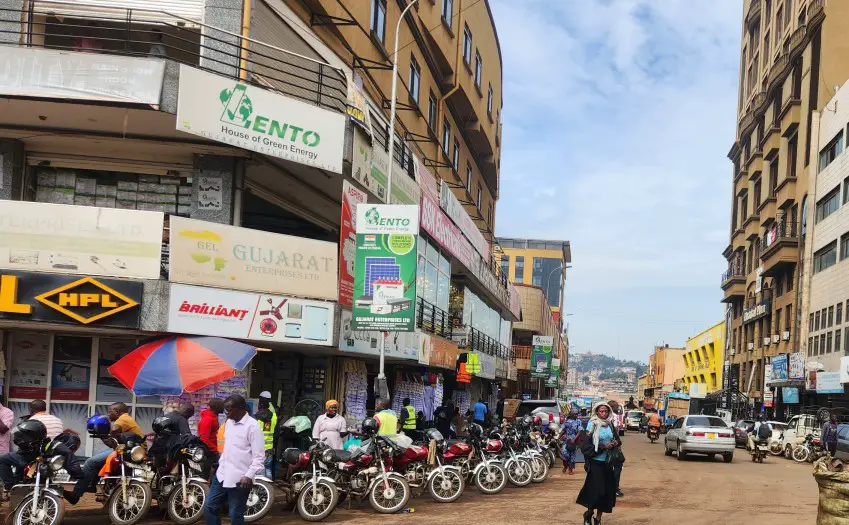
(86, 300)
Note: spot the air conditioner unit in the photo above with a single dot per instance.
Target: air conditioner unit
(733, 351)
(775, 338)
(766, 341)
(750, 346)
(785, 336)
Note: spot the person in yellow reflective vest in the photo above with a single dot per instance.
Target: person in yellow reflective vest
(386, 418)
(408, 416)
(266, 416)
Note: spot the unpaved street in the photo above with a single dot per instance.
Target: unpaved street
(658, 490)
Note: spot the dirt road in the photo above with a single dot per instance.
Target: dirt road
(658, 490)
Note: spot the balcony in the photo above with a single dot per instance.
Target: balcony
(816, 14)
(779, 70)
(754, 14)
(752, 225)
(767, 210)
(771, 142)
(522, 355)
(432, 319)
(791, 115)
(797, 41)
(733, 283)
(779, 247)
(747, 122)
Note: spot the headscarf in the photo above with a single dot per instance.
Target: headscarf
(599, 423)
(329, 403)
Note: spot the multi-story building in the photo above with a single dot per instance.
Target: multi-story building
(704, 359)
(538, 263)
(665, 366)
(537, 320)
(643, 387)
(159, 159)
(792, 54)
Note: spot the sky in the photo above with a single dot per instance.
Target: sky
(618, 116)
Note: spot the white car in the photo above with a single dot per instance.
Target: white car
(700, 435)
(633, 418)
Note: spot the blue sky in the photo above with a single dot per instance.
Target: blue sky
(618, 115)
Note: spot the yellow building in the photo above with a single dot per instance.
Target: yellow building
(704, 358)
(537, 263)
(642, 385)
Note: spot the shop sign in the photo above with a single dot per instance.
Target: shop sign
(455, 211)
(758, 311)
(488, 367)
(844, 369)
(779, 368)
(399, 345)
(385, 269)
(829, 383)
(357, 107)
(797, 365)
(500, 367)
(552, 380)
(59, 238)
(811, 381)
(425, 348)
(370, 167)
(768, 399)
(443, 353)
(43, 73)
(351, 197)
(70, 299)
(768, 374)
(443, 231)
(790, 395)
(232, 112)
(254, 316)
(540, 365)
(426, 180)
(226, 256)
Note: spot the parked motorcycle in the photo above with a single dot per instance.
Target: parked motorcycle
(529, 448)
(776, 445)
(316, 493)
(520, 471)
(809, 451)
(477, 459)
(550, 441)
(125, 486)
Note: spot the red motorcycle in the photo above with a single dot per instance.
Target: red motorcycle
(425, 469)
(475, 457)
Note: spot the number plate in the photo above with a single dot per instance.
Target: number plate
(711, 435)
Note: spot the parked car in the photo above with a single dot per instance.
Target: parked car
(741, 431)
(842, 442)
(547, 409)
(797, 430)
(632, 420)
(700, 435)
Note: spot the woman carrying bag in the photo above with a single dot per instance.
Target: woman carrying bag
(601, 448)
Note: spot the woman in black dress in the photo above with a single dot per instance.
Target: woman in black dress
(599, 443)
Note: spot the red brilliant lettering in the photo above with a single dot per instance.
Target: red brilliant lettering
(184, 307)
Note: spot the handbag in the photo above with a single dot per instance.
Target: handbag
(615, 456)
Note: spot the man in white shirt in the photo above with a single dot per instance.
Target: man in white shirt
(241, 461)
(38, 412)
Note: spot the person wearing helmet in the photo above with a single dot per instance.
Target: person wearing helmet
(30, 438)
(181, 416)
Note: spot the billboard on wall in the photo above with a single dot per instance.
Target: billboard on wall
(370, 167)
(455, 210)
(225, 256)
(60, 238)
(399, 345)
(797, 365)
(385, 268)
(256, 119)
(351, 197)
(540, 365)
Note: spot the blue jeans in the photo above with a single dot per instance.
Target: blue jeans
(7, 461)
(269, 465)
(91, 469)
(237, 501)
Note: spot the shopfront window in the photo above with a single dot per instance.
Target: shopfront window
(434, 275)
(71, 368)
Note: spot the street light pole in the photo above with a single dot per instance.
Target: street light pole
(381, 376)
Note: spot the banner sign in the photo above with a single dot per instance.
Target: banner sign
(399, 345)
(357, 107)
(351, 197)
(768, 378)
(540, 365)
(385, 268)
(426, 180)
(768, 399)
(443, 231)
(790, 395)
(488, 366)
(554, 376)
(225, 256)
(44, 73)
(370, 167)
(779, 367)
(829, 383)
(797, 365)
(60, 238)
(228, 111)
(244, 315)
(455, 210)
(56, 298)
(443, 353)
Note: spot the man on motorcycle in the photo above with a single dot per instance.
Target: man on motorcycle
(30, 437)
(653, 420)
(761, 432)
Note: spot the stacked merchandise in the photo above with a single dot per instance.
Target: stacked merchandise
(356, 391)
(462, 400)
(408, 385)
(200, 398)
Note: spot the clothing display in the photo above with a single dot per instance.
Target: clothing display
(462, 400)
(423, 395)
(356, 391)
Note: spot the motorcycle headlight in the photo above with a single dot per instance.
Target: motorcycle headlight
(137, 454)
(328, 456)
(56, 463)
(198, 454)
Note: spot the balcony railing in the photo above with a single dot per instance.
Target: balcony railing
(111, 30)
(480, 342)
(754, 14)
(522, 352)
(432, 319)
(779, 69)
(735, 272)
(797, 40)
(782, 231)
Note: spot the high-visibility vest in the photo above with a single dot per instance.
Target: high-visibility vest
(268, 428)
(220, 438)
(410, 422)
(473, 363)
(388, 423)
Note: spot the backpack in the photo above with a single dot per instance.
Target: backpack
(764, 431)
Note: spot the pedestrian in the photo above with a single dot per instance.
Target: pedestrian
(386, 418)
(829, 435)
(7, 420)
(330, 427)
(442, 417)
(571, 429)
(266, 416)
(38, 411)
(407, 420)
(242, 460)
(480, 410)
(598, 442)
(208, 432)
(181, 416)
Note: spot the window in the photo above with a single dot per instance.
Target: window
(779, 16)
(434, 275)
(810, 346)
(811, 323)
(822, 343)
(478, 68)
(766, 43)
(446, 136)
(480, 195)
(415, 79)
(830, 316)
(788, 317)
(489, 100)
(792, 152)
(831, 151)
(431, 111)
(828, 343)
(378, 19)
(505, 265)
(757, 196)
(837, 347)
(489, 217)
(846, 340)
(467, 45)
(844, 246)
(779, 286)
(469, 178)
(447, 11)
(455, 160)
(817, 323)
(838, 320)
(828, 204)
(816, 345)
(773, 176)
(778, 321)
(520, 269)
(790, 282)
(845, 191)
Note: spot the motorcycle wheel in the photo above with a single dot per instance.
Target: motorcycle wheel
(775, 448)
(191, 511)
(317, 506)
(139, 498)
(552, 458)
(391, 496)
(540, 472)
(446, 486)
(50, 511)
(519, 472)
(492, 481)
(800, 454)
(260, 501)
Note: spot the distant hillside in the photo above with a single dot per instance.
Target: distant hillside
(608, 365)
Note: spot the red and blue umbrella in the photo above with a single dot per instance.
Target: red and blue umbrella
(180, 364)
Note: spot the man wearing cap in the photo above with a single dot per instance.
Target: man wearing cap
(266, 416)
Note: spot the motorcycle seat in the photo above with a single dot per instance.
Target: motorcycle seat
(342, 455)
(450, 442)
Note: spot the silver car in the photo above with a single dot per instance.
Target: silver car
(701, 435)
